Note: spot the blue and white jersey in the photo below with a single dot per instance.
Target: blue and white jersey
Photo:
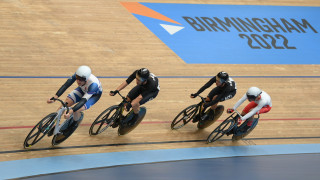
(92, 86)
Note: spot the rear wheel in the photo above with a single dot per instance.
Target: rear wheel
(222, 129)
(240, 130)
(39, 130)
(210, 120)
(184, 117)
(66, 130)
(125, 128)
(104, 120)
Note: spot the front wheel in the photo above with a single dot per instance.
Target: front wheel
(184, 117)
(39, 130)
(222, 129)
(104, 120)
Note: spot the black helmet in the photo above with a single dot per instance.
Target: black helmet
(222, 76)
(143, 74)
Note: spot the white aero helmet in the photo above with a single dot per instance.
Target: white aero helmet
(83, 73)
(253, 93)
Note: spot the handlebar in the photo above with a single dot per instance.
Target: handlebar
(123, 98)
(239, 114)
(63, 104)
(202, 98)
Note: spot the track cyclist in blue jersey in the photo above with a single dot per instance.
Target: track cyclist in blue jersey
(87, 93)
(147, 88)
(225, 89)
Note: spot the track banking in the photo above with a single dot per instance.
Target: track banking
(267, 25)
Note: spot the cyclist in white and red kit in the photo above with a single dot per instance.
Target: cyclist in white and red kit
(260, 102)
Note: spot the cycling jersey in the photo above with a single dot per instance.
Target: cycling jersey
(224, 93)
(264, 101)
(152, 84)
(91, 91)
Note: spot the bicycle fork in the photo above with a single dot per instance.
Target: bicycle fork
(57, 120)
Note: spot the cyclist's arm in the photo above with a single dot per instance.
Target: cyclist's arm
(131, 77)
(217, 99)
(79, 104)
(92, 89)
(66, 85)
(208, 84)
(253, 111)
(122, 86)
(244, 97)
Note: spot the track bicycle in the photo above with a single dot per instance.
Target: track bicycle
(50, 125)
(114, 117)
(230, 126)
(195, 111)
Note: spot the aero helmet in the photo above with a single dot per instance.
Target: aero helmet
(143, 74)
(222, 76)
(253, 93)
(83, 73)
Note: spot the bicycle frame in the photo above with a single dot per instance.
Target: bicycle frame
(236, 119)
(239, 114)
(121, 107)
(199, 105)
(58, 118)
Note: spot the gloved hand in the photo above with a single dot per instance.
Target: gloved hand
(112, 93)
(239, 121)
(194, 95)
(230, 110)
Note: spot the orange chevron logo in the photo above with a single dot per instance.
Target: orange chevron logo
(139, 9)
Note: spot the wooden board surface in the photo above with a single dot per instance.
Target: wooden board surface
(47, 39)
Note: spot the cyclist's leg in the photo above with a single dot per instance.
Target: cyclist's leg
(74, 96)
(247, 109)
(135, 96)
(265, 109)
(148, 96)
(142, 99)
(213, 94)
(250, 120)
(78, 115)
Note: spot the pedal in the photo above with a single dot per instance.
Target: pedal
(196, 118)
(228, 133)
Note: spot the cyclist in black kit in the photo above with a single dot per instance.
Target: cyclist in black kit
(147, 88)
(226, 89)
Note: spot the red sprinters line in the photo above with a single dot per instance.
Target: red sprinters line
(163, 122)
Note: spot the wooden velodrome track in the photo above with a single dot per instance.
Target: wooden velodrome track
(52, 38)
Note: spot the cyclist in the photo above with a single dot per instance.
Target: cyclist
(225, 89)
(147, 88)
(260, 102)
(87, 93)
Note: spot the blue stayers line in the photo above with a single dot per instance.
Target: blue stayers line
(56, 164)
(171, 77)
